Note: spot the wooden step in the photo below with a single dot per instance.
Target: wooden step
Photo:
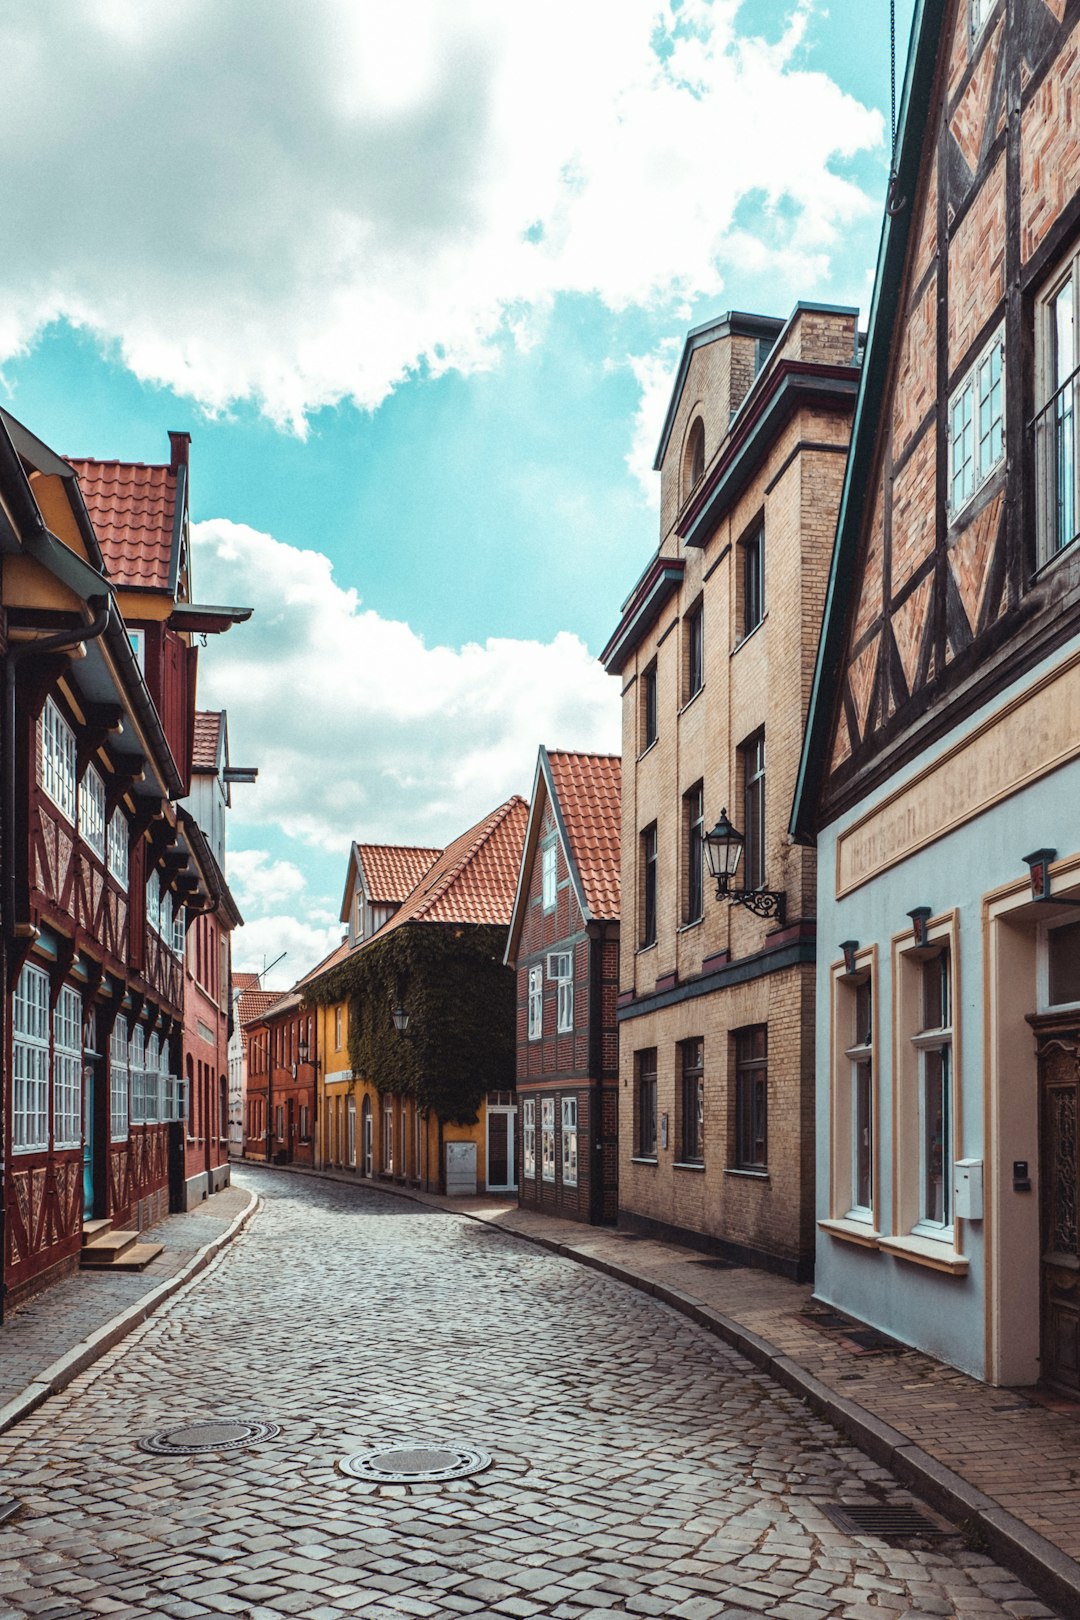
(94, 1229)
(134, 1258)
(108, 1248)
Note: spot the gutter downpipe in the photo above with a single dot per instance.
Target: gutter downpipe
(62, 641)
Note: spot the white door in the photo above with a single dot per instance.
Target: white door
(366, 1134)
(501, 1169)
(352, 1132)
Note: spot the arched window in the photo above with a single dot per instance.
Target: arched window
(694, 458)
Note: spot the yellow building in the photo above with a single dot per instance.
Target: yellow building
(415, 1014)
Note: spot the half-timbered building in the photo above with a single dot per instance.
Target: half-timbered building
(563, 944)
(941, 766)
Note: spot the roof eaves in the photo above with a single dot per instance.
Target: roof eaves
(568, 848)
(179, 518)
(528, 856)
(661, 581)
(919, 80)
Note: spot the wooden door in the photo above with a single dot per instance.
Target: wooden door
(1059, 1180)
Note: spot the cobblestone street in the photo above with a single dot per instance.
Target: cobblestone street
(640, 1466)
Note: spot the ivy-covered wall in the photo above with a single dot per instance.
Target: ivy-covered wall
(460, 1001)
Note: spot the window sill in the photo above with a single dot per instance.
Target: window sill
(1048, 564)
(688, 927)
(641, 1159)
(848, 1231)
(932, 1252)
(640, 950)
(749, 636)
(649, 747)
(692, 699)
(747, 1175)
(689, 1164)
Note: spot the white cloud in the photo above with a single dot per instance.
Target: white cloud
(358, 728)
(308, 206)
(258, 881)
(655, 374)
(300, 943)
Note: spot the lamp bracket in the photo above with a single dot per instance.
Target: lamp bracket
(762, 902)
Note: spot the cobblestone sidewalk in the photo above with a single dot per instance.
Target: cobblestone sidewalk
(998, 1459)
(53, 1324)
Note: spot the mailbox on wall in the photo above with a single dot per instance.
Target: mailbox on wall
(968, 1189)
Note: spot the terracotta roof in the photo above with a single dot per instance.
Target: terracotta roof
(475, 877)
(132, 506)
(246, 981)
(589, 790)
(253, 1004)
(204, 755)
(392, 871)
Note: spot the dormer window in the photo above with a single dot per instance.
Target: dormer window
(694, 463)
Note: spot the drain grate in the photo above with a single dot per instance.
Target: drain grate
(883, 1519)
(414, 1462)
(222, 1434)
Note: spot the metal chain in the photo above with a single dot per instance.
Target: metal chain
(894, 202)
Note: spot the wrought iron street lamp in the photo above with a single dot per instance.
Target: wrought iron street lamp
(723, 851)
(400, 1017)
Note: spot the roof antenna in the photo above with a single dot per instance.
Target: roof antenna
(894, 202)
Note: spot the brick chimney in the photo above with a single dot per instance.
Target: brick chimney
(179, 446)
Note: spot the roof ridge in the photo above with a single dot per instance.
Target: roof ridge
(483, 829)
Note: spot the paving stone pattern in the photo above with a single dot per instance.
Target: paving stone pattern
(640, 1466)
(38, 1332)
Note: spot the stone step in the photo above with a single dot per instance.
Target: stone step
(135, 1258)
(94, 1229)
(108, 1247)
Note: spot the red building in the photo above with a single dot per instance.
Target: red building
(99, 864)
(564, 944)
(281, 1090)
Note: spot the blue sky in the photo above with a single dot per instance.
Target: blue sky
(416, 282)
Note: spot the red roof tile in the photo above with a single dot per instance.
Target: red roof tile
(589, 790)
(475, 877)
(132, 506)
(392, 871)
(204, 756)
(246, 981)
(253, 1005)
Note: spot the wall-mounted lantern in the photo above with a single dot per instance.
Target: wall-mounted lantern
(723, 851)
(920, 921)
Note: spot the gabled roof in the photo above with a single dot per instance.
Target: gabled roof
(246, 981)
(254, 1004)
(137, 509)
(208, 738)
(926, 33)
(388, 872)
(585, 794)
(474, 879)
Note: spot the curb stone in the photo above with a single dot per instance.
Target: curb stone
(1049, 1572)
(105, 1338)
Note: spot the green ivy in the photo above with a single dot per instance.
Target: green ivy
(460, 999)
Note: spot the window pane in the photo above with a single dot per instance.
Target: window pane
(864, 1135)
(1063, 948)
(935, 1125)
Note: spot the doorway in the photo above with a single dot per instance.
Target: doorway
(351, 1107)
(501, 1170)
(1059, 1180)
(365, 1135)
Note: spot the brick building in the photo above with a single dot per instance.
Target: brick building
(564, 946)
(281, 1085)
(941, 771)
(715, 651)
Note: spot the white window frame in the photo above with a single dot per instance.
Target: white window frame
(549, 873)
(528, 1137)
(153, 902)
(858, 1055)
(30, 1062)
(971, 438)
(560, 969)
(118, 847)
(165, 918)
(569, 1141)
(67, 1069)
(980, 16)
(536, 1003)
(926, 1042)
(1048, 439)
(92, 811)
(137, 1070)
(119, 1082)
(152, 1080)
(388, 1139)
(58, 762)
(179, 933)
(547, 1138)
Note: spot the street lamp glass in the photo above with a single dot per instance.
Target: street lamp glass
(723, 849)
(400, 1017)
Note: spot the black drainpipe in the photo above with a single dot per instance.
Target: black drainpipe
(61, 641)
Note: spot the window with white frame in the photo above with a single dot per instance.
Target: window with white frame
(933, 1044)
(980, 11)
(58, 759)
(388, 1138)
(569, 1141)
(528, 1137)
(536, 1003)
(560, 968)
(977, 424)
(67, 1069)
(153, 902)
(179, 932)
(118, 846)
(137, 1066)
(92, 810)
(547, 1138)
(30, 1062)
(855, 1005)
(118, 1081)
(152, 1081)
(1056, 459)
(549, 874)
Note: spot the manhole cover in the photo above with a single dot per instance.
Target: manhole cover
(884, 1519)
(188, 1439)
(413, 1463)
